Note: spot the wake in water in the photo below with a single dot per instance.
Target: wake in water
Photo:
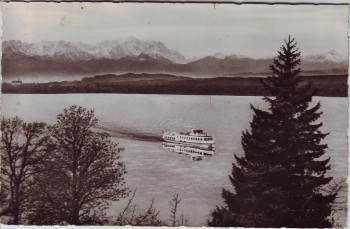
(123, 132)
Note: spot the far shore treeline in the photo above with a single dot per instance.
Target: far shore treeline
(144, 83)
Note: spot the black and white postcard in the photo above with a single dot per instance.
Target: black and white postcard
(160, 114)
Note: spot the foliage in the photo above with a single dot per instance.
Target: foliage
(174, 219)
(134, 217)
(81, 174)
(23, 147)
(131, 215)
(174, 207)
(278, 178)
(339, 206)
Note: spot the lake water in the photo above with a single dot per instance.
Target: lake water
(159, 173)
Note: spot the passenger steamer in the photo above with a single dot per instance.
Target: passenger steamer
(194, 137)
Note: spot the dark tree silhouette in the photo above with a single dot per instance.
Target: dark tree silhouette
(339, 206)
(277, 180)
(82, 174)
(174, 203)
(132, 216)
(22, 148)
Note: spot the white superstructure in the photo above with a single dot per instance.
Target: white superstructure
(192, 137)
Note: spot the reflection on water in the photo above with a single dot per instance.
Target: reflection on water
(195, 152)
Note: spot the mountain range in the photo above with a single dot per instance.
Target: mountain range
(73, 51)
(134, 55)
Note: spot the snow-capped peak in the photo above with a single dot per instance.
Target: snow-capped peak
(331, 55)
(110, 49)
(132, 39)
(219, 55)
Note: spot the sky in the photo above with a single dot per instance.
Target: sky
(192, 29)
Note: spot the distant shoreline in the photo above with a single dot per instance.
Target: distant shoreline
(327, 85)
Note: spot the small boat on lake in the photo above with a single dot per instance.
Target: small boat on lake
(194, 137)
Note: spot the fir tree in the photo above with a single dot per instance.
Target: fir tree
(278, 179)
